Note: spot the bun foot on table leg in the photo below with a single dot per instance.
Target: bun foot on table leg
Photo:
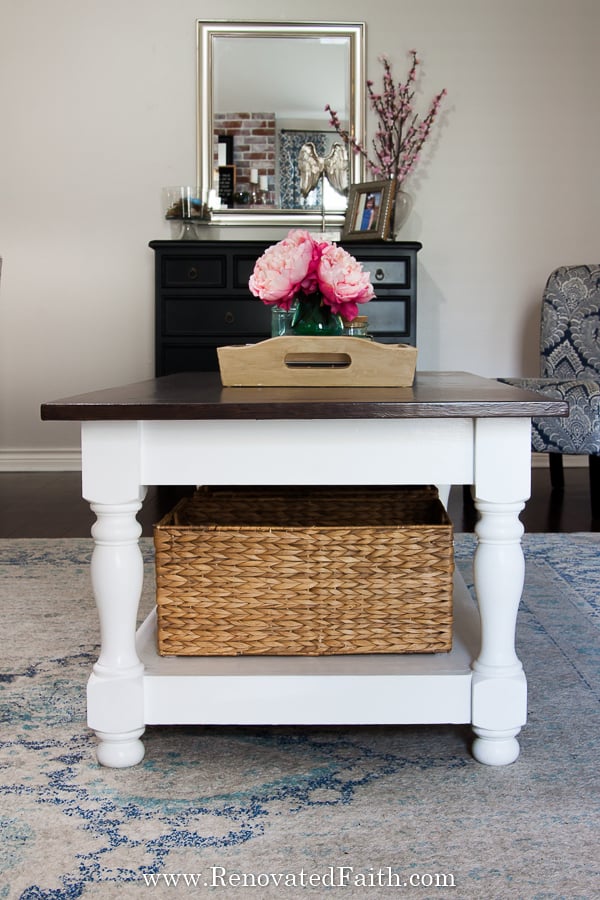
(495, 748)
(119, 751)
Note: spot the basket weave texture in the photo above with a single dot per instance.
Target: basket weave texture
(304, 571)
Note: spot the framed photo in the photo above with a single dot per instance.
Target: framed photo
(369, 211)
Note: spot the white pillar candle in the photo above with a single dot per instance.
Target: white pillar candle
(264, 183)
(254, 176)
(222, 154)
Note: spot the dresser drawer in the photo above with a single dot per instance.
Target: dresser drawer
(197, 357)
(242, 268)
(194, 272)
(388, 317)
(388, 273)
(181, 316)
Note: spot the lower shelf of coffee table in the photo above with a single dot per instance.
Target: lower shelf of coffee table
(361, 689)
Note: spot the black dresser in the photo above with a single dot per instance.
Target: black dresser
(203, 301)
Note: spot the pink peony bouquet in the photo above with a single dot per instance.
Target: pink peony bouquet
(301, 268)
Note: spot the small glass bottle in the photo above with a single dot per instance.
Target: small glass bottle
(357, 327)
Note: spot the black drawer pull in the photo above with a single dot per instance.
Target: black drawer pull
(192, 273)
(229, 318)
(379, 275)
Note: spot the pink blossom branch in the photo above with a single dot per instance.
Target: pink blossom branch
(400, 135)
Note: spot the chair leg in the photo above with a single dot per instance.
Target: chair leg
(595, 485)
(557, 475)
(467, 495)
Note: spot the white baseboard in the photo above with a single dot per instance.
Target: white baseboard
(27, 460)
(540, 461)
(65, 460)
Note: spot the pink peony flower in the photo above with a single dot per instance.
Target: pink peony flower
(342, 281)
(286, 269)
(299, 267)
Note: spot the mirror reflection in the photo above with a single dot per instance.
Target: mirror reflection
(262, 94)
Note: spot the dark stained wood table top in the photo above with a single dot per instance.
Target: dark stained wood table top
(200, 395)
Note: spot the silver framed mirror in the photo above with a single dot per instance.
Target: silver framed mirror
(262, 92)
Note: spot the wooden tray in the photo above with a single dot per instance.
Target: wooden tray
(291, 361)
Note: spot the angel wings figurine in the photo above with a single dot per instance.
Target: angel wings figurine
(311, 166)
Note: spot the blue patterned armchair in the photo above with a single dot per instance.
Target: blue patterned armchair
(570, 370)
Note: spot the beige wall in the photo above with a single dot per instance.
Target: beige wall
(97, 105)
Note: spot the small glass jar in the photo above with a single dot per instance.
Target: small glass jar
(186, 203)
(281, 321)
(357, 327)
(186, 207)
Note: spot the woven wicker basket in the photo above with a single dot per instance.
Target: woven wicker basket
(304, 571)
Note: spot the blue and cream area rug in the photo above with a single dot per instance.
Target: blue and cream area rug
(296, 812)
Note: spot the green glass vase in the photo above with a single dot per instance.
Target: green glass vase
(310, 316)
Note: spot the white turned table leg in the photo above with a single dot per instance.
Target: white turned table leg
(115, 688)
(499, 688)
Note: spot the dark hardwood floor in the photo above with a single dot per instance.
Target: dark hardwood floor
(49, 505)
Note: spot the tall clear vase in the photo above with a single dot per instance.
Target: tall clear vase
(402, 205)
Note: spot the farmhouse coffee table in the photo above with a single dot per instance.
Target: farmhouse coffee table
(449, 428)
